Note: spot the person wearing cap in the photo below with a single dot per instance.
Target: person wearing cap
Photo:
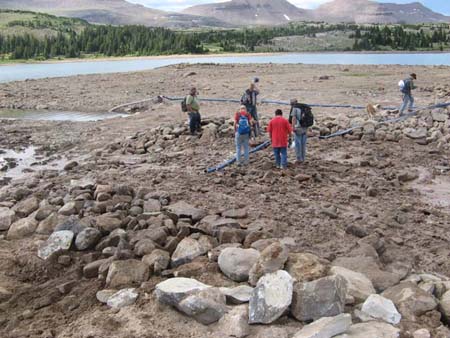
(193, 110)
(249, 100)
(406, 88)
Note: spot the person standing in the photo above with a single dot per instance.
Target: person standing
(250, 100)
(242, 129)
(279, 130)
(299, 119)
(193, 110)
(406, 87)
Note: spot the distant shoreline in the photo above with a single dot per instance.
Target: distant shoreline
(199, 56)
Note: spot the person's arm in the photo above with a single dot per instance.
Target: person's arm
(189, 101)
(294, 117)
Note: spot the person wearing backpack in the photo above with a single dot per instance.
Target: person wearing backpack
(249, 100)
(242, 127)
(191, 105)
(279, 130)
(301, 119)
(406, 87)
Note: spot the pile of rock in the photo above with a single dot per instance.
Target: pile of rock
(127, 237)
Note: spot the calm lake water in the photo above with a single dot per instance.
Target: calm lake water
(43, 70)
(34, 115)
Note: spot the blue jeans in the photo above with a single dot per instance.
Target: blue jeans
(254, 113)
(242, 141)
(195, 122)
(408, 102)
(300, 146)
(281, 157)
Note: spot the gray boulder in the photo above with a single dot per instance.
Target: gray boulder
(125, 297)
(444, 305)
(205, 306)
(184, 210)
(371, 330)
(22, 228)
(306, 267)
(236, 263)
(381, 308)
(271, 297)
(126, 273)
(324, 297)
(238, 295)
(234, 323)
(273, 258)
(326, 327)
(58, 242)
(7, 217)
(157, 261)
(87, 239)
(186, 251)
(173, 291)
(358, 285)
(26, 207)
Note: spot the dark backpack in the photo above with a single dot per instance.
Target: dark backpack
(406, 86)
(245, 99)
(243, 125)
(184, 107)
(306, 118)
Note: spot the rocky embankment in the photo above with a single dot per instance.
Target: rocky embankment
(301, 260)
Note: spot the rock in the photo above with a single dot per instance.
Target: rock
(48, 225)
(22, 228)
(103, 295)
(186, 251)
(358, 285)
(371, 330)
(235, 213)
(271, 297)
(152, 206)
(306, 267)
(5, 295)
(444, 305)
(125, 297)
(71, 224)
(65, 288)
(272, 332)
(144, 247)
(108, 223)
(184, 210)
(439, 115)
(378, 307)
(212, 225)
(407, 176)
(126, 273)
(87, 239)
(157, 261)
(57, 243)
(236, 263)
(324, 297)
(43, 212)
(205, 306)
(238, 295)
(422, 333)
(71, 208)
(226, 235)
(7, 217)
(26, 207)
(187, 74)
(410, 300)
(326, 327)
(272, 259)
(356, 230)
(91, 270)
(234, 323)
(174, 290)
(416, 134)
(71, 165)
(214, 254)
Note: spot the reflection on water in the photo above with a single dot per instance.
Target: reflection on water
(17, 114)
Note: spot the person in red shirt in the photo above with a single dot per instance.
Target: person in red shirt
(242, 128)
(280, 130)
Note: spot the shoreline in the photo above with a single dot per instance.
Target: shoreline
(187, 56)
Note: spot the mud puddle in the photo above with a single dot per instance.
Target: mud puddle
(435, 190)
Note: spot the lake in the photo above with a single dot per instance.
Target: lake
(45, 115)
(19, 72)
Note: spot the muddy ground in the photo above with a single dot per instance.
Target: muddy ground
(349, 182)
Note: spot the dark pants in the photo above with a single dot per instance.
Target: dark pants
(280, 157)
(254, 113)
(195, 122)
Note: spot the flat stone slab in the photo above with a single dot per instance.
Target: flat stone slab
(172, 291)
(125, 297)
(326, 327)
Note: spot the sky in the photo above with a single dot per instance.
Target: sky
(442, 6)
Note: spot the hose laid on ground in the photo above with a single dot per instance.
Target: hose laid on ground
(233, 160)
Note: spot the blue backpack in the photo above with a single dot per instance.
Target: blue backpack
(243, 125)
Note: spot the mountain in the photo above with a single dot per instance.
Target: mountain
(366, 11)
(251, 12)
(114, 12)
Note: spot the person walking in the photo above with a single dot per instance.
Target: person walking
(279, 130)
(249, 100)
(193, 110)
(299, 117)
(406, 87)
(242, 129)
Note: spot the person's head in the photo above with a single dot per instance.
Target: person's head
(414, 76)
(243, 109)
(252, 86)
(294, 101)
(193, 91)
(278, 112)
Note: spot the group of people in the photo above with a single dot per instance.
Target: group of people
(280, 129)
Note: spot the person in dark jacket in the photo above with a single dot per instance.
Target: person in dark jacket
(249, 100)
(406, 88)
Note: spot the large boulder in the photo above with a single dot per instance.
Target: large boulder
(444, 305)
(271, 297)
(71, 208)
(205, 306)
(126, 273)
(108, 223)
(7, 217)
(87, 239)
(73, 224)
(306, 267)
(234, 324)
(22, 228)
(186, 251)
(59, 242)
(184, 210)
(324, 297)
(371, 330)
(358, 285)
(174, 290)
(410, 300)
(125, 297)
(26, 207)
(158, 260)
(381, 308)
(236, 263)
(273, 258)
(326, 327)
